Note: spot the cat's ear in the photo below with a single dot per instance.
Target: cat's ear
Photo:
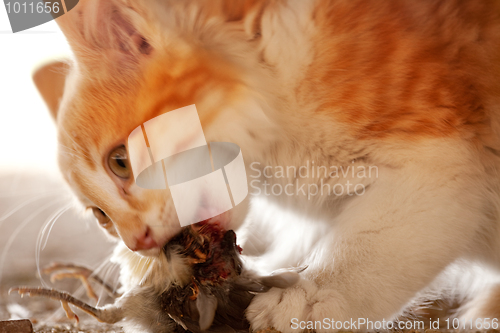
(107, 32)
(49, 80)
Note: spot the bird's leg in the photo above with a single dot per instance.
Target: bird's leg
(60, 271)
(109, 314)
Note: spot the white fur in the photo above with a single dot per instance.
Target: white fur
(387, 245)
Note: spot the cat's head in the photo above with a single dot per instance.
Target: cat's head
(130, 65)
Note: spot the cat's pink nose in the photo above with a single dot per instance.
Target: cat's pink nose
(145, 241)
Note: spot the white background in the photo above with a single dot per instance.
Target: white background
(27, 133)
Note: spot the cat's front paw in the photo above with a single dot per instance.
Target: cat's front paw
(288, 309)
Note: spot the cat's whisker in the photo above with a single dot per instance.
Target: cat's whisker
(116, 282)
(24, 204)
(72, 152)
(29, 193)
(12, 238)
(76, 143)
(50, 228)
(69, 151)
(108, 267)
(47, 224)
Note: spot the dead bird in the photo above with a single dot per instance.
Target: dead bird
(198, 283)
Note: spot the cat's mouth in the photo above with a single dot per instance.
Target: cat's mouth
(223, 221)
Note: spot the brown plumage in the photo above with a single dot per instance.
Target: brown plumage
(214, 299)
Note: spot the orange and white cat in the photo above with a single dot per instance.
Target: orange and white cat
(409, 87)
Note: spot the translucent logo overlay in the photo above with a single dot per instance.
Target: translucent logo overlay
(170, 151)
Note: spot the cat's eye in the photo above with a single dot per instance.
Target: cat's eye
(101, 217)
(118, 162)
